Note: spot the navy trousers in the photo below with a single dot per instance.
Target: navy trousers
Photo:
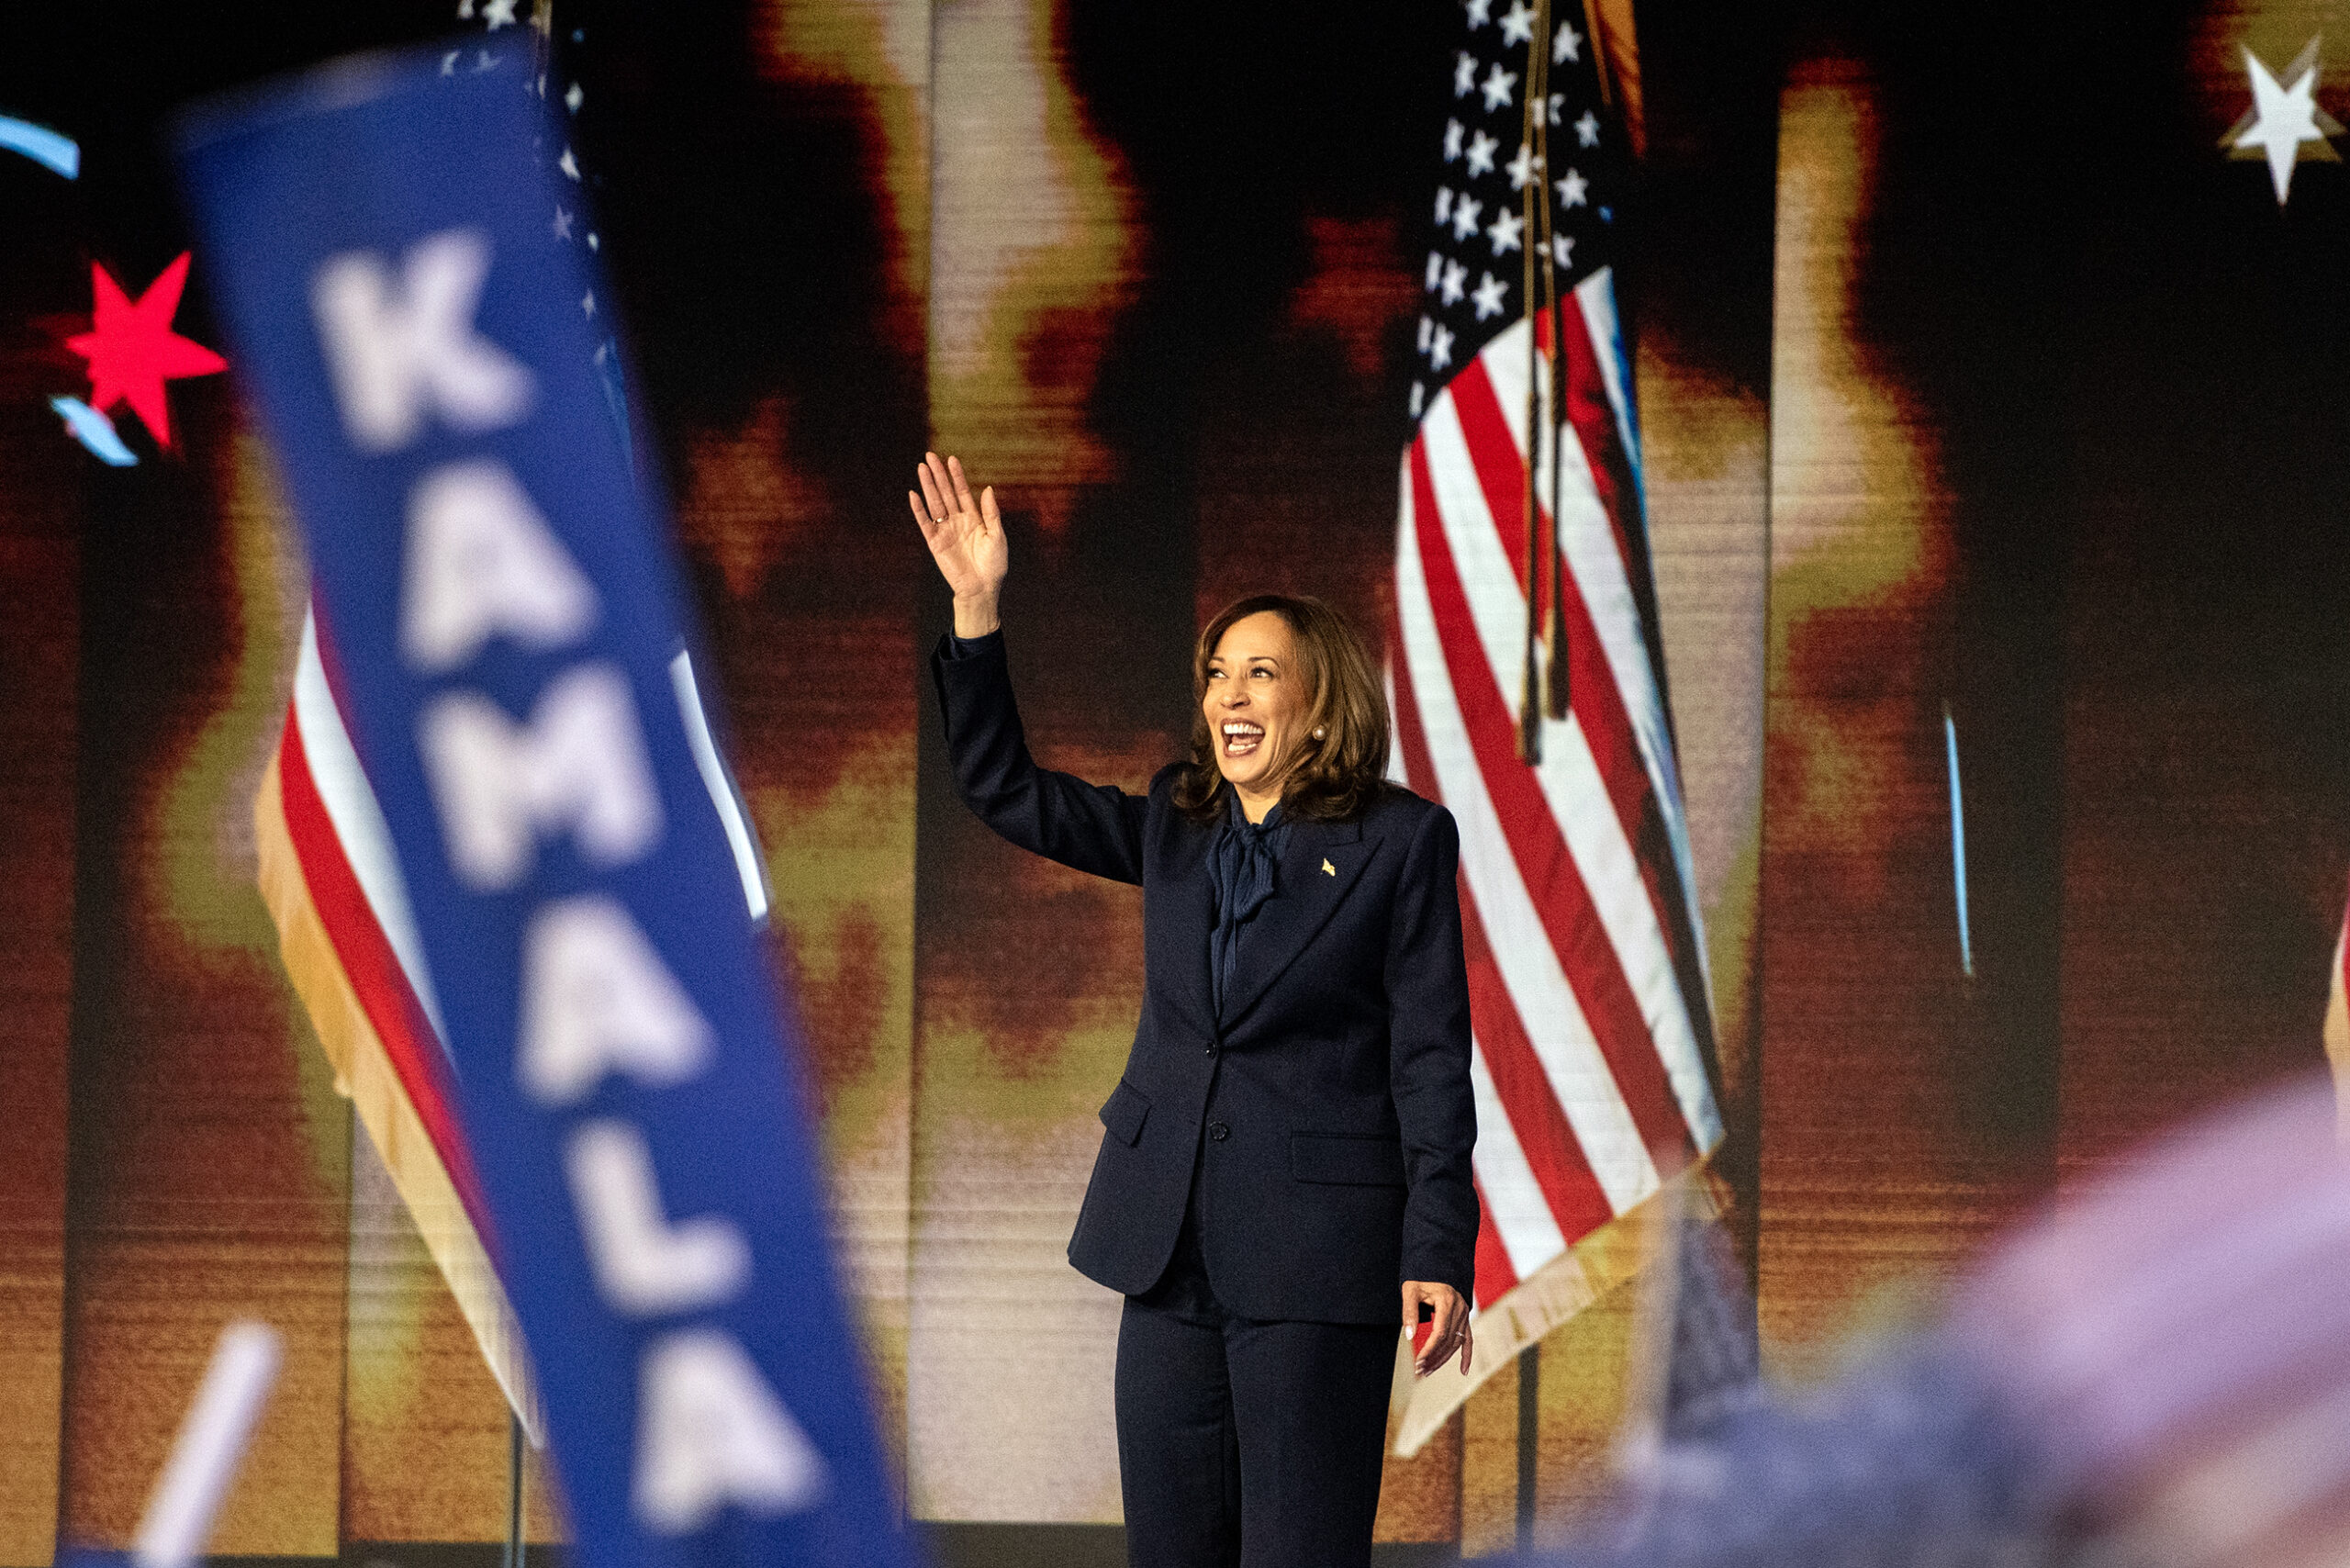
(1246, 1444)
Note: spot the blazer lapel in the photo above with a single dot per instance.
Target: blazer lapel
(1181, 916)
(1315, 876)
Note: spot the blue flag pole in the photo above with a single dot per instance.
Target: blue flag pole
(505, 610)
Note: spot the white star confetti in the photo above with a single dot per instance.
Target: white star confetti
(1524, 169)
(1505, 231)
(1482, 149)
(2283, 118)
(1499, 85)
(1517, 23)
(1587, 129)
(1489, 295)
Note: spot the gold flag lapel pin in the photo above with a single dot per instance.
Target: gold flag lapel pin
(1328, 869)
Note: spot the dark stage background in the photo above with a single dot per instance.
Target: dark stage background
(1972, 372)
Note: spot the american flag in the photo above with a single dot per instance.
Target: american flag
(1527, 682)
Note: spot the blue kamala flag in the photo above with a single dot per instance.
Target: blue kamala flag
(505, 608)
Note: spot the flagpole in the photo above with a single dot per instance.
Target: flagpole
(1555, 671)
(514, 1544)
(1529, 706)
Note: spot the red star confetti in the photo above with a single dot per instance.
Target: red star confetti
(132, 350)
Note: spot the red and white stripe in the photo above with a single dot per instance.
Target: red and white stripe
(1589, 1064)
(345, 848)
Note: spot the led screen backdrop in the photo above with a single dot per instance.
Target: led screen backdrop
(1980, 373)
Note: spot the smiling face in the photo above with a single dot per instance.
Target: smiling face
(1255, 703)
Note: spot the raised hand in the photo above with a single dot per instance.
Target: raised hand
(966, 538)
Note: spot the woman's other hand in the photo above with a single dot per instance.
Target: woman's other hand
(966, 538)
(1448, 1325)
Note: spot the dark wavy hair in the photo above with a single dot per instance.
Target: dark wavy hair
(1331, 780)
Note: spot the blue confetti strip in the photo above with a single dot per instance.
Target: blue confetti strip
(1958, 844)
(94, 431)
(52, 150)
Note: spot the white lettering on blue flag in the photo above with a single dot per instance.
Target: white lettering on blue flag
(578, 765)
(645, 1266)
(710, 1432)
(482, 563)
(505, 615)
(398, 345)
(596, 999)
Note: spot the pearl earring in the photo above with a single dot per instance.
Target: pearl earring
(1318, 731)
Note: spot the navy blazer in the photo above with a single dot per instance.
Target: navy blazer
(1332, 1107)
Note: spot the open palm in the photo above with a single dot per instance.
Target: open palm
(966, 537)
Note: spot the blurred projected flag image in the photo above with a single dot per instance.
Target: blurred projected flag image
(1528, 686)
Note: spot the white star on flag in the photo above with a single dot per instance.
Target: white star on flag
(1464, 74)
(1451, 140)
(1482, 149)
(1489, 295)
(1505, 231)
(1571, 189)
(1436, 270)
(1517, 25)
(1479, 13)
(497, 14)
(1587, 129)
(1464, 217)
(1443, 204)
(1567, 46)
(2283, 118)
(1562, 250)
(1522, 168)
(1499, 84)
(1456, 280)
(562, 224)
(568, 164)
(1440, 349)
(573, 99)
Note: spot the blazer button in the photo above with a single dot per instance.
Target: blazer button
(1218, 1131)
(1211, 1047)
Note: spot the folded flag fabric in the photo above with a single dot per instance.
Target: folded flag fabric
(349, 943)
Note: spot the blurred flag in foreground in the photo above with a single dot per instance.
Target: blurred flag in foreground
(1527, 683)
(498, 639)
